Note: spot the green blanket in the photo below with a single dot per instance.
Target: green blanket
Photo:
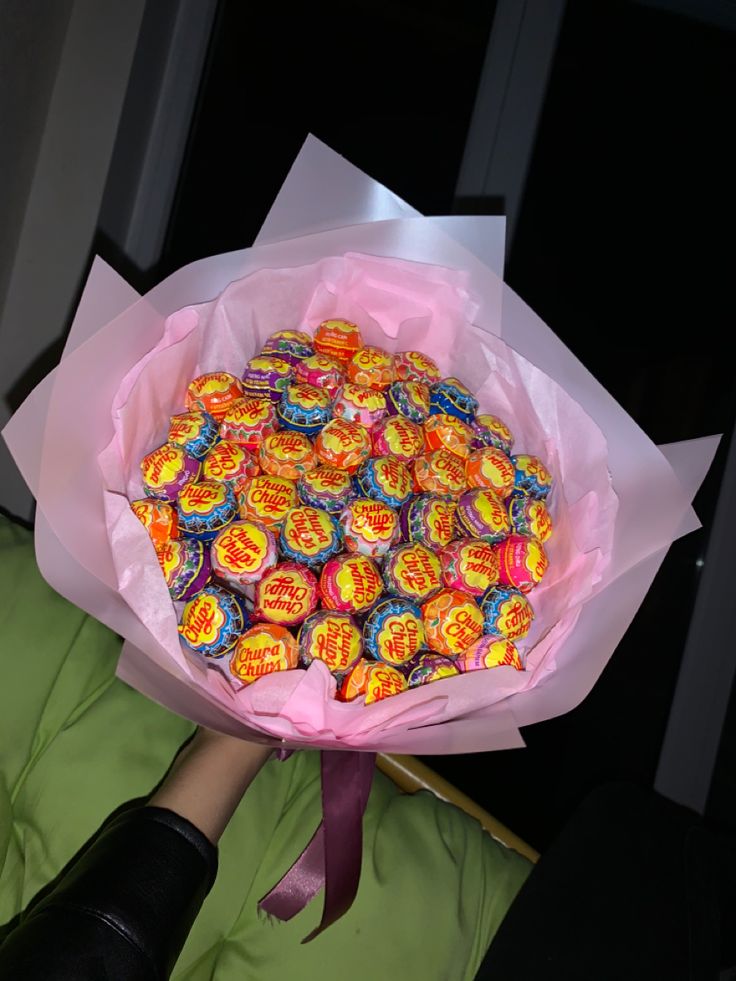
(76, 743)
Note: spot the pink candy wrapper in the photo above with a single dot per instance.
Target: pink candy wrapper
(337, 244)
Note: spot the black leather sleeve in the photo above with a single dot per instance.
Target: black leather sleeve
(123, 911)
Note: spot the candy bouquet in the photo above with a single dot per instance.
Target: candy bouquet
(343, 490)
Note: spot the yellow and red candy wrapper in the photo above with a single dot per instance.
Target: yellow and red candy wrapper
(428, 666)
(287, 454)
(327, 488)
(213, 621)
(267, 377)
(214, 393)
(469, 564)
(532, 477)
(305, 409)
(195, 432)
(159, 518)
(386, 480)
(266, 499)
(443, 432)
(373, 367)
(205, 508)
(481, 514)
(186, 566)
(350, 583)
(409, 399)
(440, 472)
(490, 467)
(229, 464)
(322, 372)
(369, 527)
(167, 470)
(248, 421)
(332, 637)
(530, 517)
(489, 430)
(261, 650)
(429, 520)
(522, 562)
(506, 613)
(412, 571)
(242, 552)
(358, 403)
(398, 437)
(338, 339)
(286, 595)
(490, 652)
(343, 444)
(372, 679)
(452, 621)
(393, 631)
(310, 536)
(415, 366)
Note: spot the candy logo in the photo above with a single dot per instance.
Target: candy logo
(336, 643)
(218, 381)
(204, 621)
(400, 638)
(402, 438)
(184, 428)
(326, 479)
(362, 397)
(358, 579)
(224, 460)
(384, 681)
(287, 446)
(169, 558)
(463, 626)
(540, 523)
(146, 512)
(393, 478)
(202, 498)
(440, 518)
(307, 396)
(514, 617)
(371, 357)
(536, 560)
(162, 466)
(250, 411)
(308, 530)
(241, 548)
(284, 595)
(417, 570)
(502, 652)
(375, 521)
(418, 394)
(492, 513)
(268, 495)
(256, 656)
(497, 468)
(480, 561)
(496, 426)
(422, 363)
(342, 436)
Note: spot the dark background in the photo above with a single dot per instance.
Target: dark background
(622, 246)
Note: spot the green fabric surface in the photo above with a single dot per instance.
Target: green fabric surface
(77, 743)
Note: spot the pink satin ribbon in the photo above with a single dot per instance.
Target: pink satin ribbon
(333, 856)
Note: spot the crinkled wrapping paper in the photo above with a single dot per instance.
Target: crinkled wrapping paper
(338, 244)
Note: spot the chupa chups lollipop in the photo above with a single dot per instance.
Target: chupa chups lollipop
(323, 372)
(231, 464)
(166, 470)
(213, 620)
(506, 613)
(304, 409)
(532, 477)
(291, 346)
(490, 467)
(185, 564)
(242, 552)
(325, 487)
(373, 367)
(338, 339)
(332, 637)
(412, 571)
(286, 594)
(452, 621)
(213, 393)
(491, 431)
(398, 437)
(427, 666)
(369, 527)
(310, 536)
(440, 472)
(429, 520)
(343, 444)
(195, 432)
(451, 397)
(248, 421)
(262, 649)
(530, 517)
(393, 631)
(489, 652)
(372, 679)
(386, 480)
(205, 507)
(267, 499)
(358, 403)
(481, 514)
(159, 518)
(350, 583)
(415, 366)
(443, 432)
(409, 399)
(287, 454)
(266, 377)
(469, 564)
(522, 562)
